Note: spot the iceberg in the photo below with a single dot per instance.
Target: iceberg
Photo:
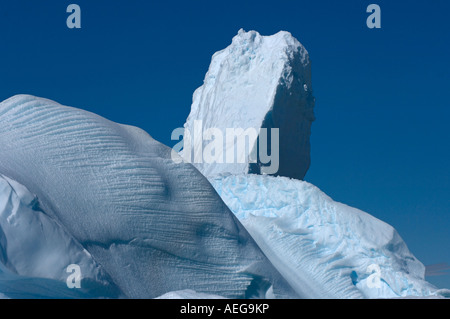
(258, 82)
(76, 188)
(324, 249)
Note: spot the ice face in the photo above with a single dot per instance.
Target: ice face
(257, 82)
(94, 192)
(324, 249)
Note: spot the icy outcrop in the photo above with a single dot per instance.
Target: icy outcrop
(77, 188)
(256, 82)
(324, 249)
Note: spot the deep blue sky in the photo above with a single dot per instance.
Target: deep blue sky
(381, 138)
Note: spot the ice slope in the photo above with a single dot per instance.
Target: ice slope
(256, 82)
(36, 247)
(77, 188)
(323, 248)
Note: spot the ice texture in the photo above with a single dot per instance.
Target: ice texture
(78, 188)
(323, 248)
(188, 294)
(256, 82)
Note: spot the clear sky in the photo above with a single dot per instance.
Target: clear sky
(380, 141)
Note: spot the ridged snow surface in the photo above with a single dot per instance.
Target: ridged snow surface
(256, 82)
(79, 189)
(323, 248)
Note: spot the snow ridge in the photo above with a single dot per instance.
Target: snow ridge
(154, 226)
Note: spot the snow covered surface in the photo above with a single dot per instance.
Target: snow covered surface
(323, 248)
(256, 82)
(77, 188)
(188, 294)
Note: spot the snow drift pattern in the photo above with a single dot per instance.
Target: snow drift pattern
(107, 194)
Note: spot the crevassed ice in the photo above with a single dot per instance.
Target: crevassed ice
(323, 248)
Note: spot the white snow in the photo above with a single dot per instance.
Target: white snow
(256, 82)
(188, 294)
(323, 248)
(77, 188)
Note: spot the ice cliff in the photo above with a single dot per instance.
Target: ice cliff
(256, 82)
